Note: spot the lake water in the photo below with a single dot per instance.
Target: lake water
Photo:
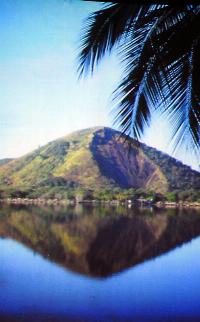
(99, 264)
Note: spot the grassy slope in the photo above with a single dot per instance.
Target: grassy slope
(178, 175)
(68, 157)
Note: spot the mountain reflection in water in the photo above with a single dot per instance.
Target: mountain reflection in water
(98, 241)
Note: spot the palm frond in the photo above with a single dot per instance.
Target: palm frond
(159, 46)
(102, 30)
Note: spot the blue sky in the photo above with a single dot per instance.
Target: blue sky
(40, 96)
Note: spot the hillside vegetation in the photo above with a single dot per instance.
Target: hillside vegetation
(94, 159)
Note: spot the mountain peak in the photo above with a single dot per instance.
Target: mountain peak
(97, 158)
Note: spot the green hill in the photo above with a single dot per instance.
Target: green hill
(97, 158)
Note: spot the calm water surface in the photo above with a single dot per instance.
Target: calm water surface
(99, 264)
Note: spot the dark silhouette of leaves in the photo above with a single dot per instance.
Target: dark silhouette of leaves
(159, 46)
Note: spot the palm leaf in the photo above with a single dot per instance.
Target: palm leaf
(159, 46)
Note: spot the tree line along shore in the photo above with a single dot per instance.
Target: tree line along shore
(127, 197)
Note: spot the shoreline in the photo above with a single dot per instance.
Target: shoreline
(127, 203)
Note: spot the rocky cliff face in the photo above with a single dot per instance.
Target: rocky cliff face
(125, 163)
